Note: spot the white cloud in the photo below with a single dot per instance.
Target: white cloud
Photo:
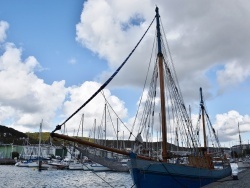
(227, 125)
(232, 74)
(102, 27)
(26, 97)
(3, 28)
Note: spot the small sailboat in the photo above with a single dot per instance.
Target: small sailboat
(76, 165)
(59, 164)
(39, 160)
(193, 167)
(26, 163)
(95, 167)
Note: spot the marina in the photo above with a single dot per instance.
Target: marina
(89, 138)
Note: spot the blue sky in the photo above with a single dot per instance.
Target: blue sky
(66, 49)
(56, 47)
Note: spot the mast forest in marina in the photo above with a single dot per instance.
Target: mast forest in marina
(195, 167)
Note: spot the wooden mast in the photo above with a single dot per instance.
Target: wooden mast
(203, 120)
(162, 91)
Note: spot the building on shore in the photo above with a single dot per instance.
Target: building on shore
(30, 151)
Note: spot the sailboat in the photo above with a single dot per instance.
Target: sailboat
(147, 167)
(38, 162)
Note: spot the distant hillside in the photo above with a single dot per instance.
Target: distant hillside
(35, 136)
(10, 135)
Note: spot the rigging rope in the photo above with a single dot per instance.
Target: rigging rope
(177, 87)
(148, 103)
(142, 90)
(58, 127)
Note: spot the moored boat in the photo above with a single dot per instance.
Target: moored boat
(95, 167)
(147, 173)
(39, 161)
(31, 163)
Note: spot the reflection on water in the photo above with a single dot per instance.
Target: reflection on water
(17, 177)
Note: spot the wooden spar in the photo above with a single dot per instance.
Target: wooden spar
(83, 142)
(162, 90)
(203, 120)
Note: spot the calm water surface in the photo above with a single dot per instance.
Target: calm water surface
(22, 177)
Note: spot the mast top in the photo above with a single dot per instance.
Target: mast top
(202, 102)
(158, 31)
(156, 9)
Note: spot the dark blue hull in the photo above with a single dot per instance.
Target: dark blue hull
(156, 174)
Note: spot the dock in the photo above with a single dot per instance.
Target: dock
(6, 161)
(228, 182)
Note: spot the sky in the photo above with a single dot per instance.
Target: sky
(55, 54)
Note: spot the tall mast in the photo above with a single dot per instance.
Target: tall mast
(162, 92)
(40, 138)
(203, 119)
(39, 149)
(240, 138)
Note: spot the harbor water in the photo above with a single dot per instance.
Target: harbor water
(23, 177)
